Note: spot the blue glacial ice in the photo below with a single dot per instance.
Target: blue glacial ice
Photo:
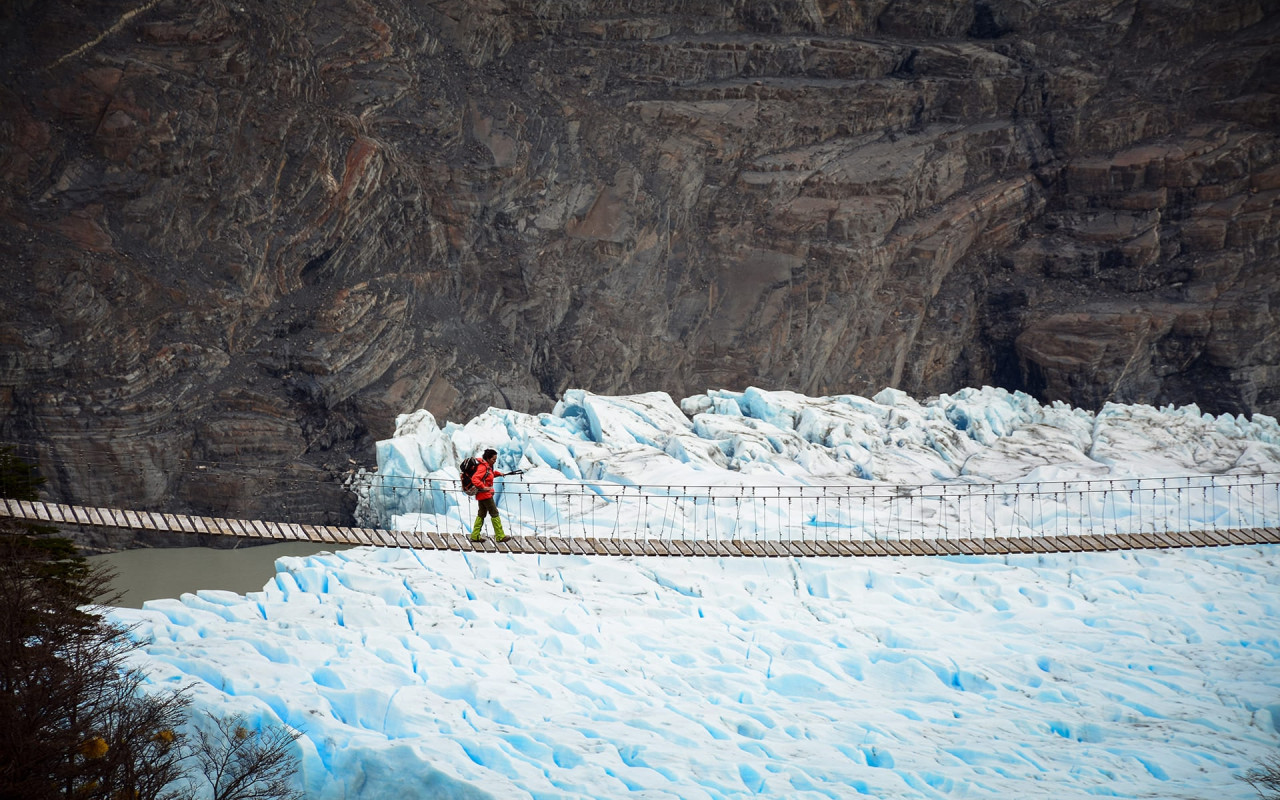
(430, 674)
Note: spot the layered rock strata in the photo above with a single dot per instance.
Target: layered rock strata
(240, 239)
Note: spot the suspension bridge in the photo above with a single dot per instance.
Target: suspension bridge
(592, 518)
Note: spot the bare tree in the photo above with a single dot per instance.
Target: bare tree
(1265, 778)
(72, 718)
(145, 750)
(74, 721)
(245, 763)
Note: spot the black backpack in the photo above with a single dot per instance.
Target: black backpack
(468, 469)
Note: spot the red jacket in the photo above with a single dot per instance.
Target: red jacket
(482, 478)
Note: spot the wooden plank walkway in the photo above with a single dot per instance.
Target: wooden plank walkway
(86, 516)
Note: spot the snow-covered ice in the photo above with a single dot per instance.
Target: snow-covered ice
(778, 465)
(424, 674)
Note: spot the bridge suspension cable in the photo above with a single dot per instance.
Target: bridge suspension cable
(835, 511)
(827, 509)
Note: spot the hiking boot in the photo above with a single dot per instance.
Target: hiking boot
(475, 537)
(502, 537)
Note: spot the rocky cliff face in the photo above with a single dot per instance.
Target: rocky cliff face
(239, 239)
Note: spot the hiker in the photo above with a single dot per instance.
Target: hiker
(482, 479)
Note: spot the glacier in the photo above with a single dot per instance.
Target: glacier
(771, 464)
(431, 674)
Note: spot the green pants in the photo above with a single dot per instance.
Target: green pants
(490, 508)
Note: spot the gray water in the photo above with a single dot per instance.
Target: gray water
(157, 573)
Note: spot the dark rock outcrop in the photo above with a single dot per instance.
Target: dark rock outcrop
(239, 239)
